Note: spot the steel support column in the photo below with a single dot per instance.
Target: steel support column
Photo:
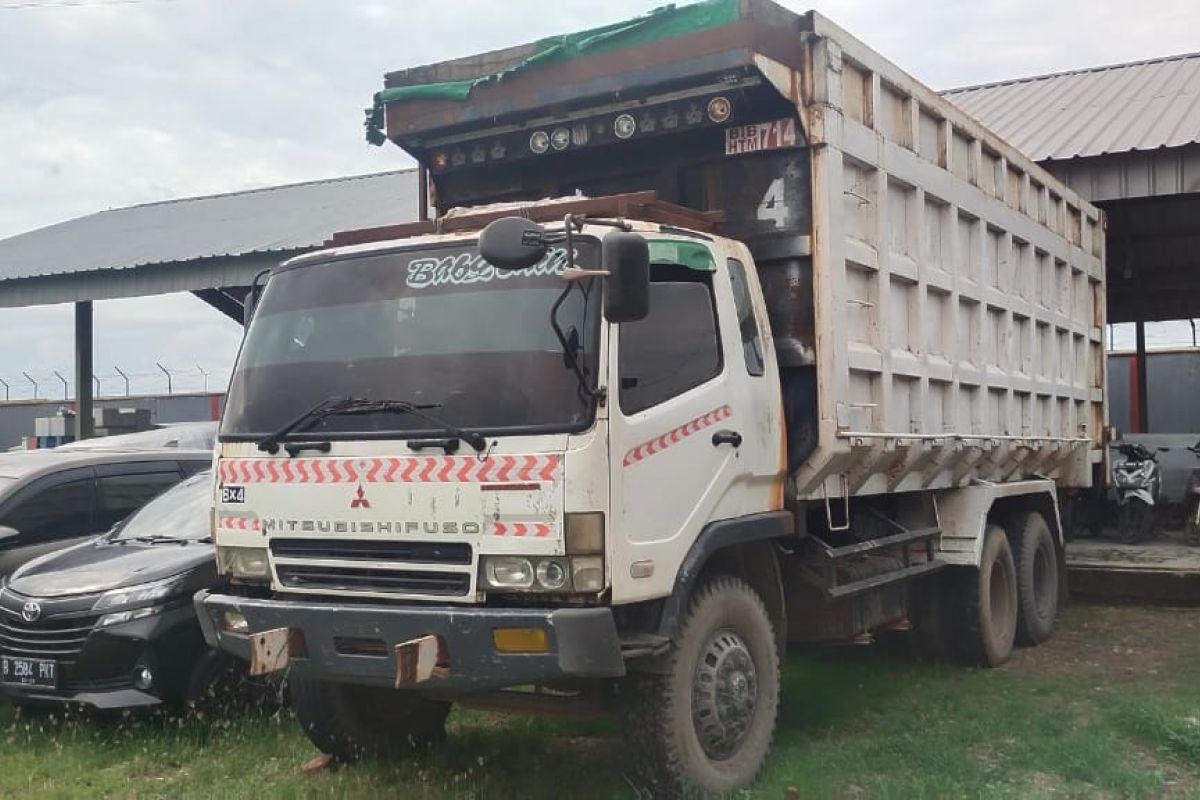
(1143, 392)
(83, 370)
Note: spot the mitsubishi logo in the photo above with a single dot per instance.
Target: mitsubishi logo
(360, 499)
(31, 611)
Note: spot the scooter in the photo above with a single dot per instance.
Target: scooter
(1138, 481)
(1192, 502)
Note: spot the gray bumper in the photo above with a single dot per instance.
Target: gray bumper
(583, 642)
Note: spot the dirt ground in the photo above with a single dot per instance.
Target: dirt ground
(1114, 643)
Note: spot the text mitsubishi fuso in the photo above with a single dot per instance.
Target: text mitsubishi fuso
(726, 333)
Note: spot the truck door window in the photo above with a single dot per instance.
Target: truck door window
(56, 512)
(675, 348)
(752, 347)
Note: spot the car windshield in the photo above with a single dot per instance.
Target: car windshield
(181, 512)
(438, 327)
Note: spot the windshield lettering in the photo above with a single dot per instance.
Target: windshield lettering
(463, 269)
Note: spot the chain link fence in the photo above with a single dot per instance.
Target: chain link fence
(59, 384)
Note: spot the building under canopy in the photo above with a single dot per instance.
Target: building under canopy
(210, 246)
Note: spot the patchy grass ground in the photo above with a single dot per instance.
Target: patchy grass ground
(1109, 708)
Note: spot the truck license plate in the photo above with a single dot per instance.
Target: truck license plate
(28, 672)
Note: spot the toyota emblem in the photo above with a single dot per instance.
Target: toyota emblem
(31, 611)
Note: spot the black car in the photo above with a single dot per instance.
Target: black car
(109, 623)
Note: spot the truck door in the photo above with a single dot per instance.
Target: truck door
(692, 433)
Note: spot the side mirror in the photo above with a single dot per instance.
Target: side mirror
(626, 258)
(513, 243)
(253, 295)
(7, 533)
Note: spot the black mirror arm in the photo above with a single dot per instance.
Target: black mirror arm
(568, 351)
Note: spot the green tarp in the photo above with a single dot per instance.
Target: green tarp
(661, 23)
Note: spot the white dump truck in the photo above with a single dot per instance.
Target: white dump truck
(795, 351)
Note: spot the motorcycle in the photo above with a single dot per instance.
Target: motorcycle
(1138, 481)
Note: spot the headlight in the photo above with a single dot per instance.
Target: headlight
(135, 602)
(118, 617)
(136, 596)
(558, 574)
(248, 563)
(508, 572)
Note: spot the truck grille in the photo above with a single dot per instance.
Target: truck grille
(361, 579)
(457, 553)
(58, 639)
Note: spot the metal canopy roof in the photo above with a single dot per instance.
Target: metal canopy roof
(195, 243)
(1143, 105)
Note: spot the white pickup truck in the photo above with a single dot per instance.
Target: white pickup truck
(803, 353)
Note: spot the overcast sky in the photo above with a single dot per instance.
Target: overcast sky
(106, 103)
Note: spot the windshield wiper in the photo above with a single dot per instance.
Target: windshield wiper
(346, 406)
(157, 539)
(362, 406)
(270, 442)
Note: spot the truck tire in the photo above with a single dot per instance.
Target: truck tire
(702, 725)
(349, 722)
(981, 606)
(1036, 560)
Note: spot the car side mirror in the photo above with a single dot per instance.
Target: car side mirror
(513, 243)
(7, 533)
(626, 258)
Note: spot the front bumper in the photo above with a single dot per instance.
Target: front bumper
(100, 676)
(582, 642)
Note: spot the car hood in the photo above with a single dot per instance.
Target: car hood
(99, 566)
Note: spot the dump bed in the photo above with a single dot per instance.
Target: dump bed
(936, 299)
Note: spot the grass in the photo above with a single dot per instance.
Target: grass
(856, 723)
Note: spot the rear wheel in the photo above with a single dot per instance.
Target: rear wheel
(982, 604)
(703, 724)
(349, 722)
(1036, 561)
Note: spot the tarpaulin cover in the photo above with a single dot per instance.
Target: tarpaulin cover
(661, 23)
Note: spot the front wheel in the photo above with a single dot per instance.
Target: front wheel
(349, 722)
(703, 724)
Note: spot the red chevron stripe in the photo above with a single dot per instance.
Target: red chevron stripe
(675, 435)
(499, 529)
(464, 469)
(519, 529)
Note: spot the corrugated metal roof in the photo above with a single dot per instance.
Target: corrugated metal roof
(277, 218)
(1139, 106)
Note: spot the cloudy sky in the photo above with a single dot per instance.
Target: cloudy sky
(106, 103)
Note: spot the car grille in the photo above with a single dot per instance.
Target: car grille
(392, 581)
(458, 553)
(59, 639)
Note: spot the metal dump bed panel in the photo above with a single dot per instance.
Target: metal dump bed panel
(959, 290)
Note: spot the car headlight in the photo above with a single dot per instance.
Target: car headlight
(136, 602)
(246, 563)
(556, 574)
(144, 594)
(119, 617)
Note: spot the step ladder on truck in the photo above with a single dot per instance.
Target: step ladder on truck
(717, 332)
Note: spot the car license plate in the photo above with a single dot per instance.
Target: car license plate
(28, 671)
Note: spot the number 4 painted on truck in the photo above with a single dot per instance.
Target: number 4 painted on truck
(773, 208)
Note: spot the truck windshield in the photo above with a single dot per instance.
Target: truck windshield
(438, 326)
